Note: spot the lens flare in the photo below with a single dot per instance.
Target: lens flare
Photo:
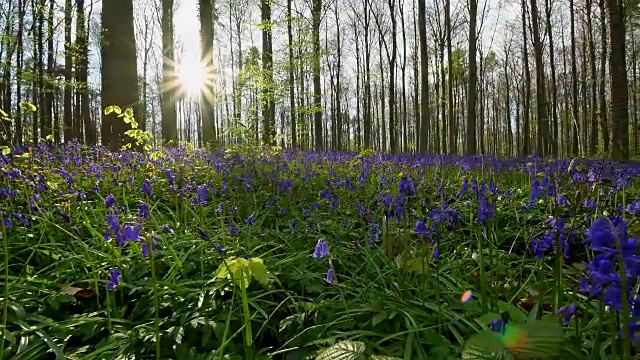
(466, 297)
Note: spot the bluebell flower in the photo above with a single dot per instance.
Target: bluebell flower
(421, 229)
(146, 188)
(634, 208)
(219, 248)
(485, 211)
(144, 210)
(405, 186)
(110, 201)
(167, 229)
(145, 248)
(114, 223)
(567, 312)
(322, 249)
(114, 278)
(542, 244)
(203, 235)
(536, 191)
(497, 325)
(331, 279)
(170, 177)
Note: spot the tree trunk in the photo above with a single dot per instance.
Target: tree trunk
(473, 80)
(316, 17)
(207, 96)
(619, 83)
(292, 102)
(170, 86)
(268, 109)
(604, 124)
(554, 84)
(68, 63)
(541, 101)
(119, 61)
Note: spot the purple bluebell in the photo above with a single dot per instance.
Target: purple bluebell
(331, 277)
(110, 201)
(567, 312)
(167, 229)
(322, 249)
(114, 278)
(144, 210)
(421, 229)
(203, 235)
(146, 188)
(219, 248)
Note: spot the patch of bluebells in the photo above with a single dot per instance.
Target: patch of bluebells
(609, 240)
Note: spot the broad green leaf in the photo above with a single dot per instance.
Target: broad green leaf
(259, 271)
(485, 345)
(49, 137)
(535, 340)
(515, 314)
(382, 357)
(6, 150)
(108, 110)
(344, 350)
(128, 112)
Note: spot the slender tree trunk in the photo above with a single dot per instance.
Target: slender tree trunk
(292, 102)
(268, 109)
(207, 96)
(48, 80)
(339, 131)
(554, 84)
(593, 130)
(450, 115)
(316, 18)
(604, 124)
(425, 125)
(473, 80)
(68, 63)
(574, 86)
(170, 86)
(82, 62)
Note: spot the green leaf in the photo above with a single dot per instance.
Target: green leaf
(535, 340)
(6, 150)
(27, 106)
(128, 113)
(485, 345)
(344, 350)
(3, 114)
(49, 137)
(515, 314)
(240, 272)
(259, 271)
(382, 357)
(108, 110)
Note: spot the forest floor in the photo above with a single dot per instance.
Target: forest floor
(181, 254)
